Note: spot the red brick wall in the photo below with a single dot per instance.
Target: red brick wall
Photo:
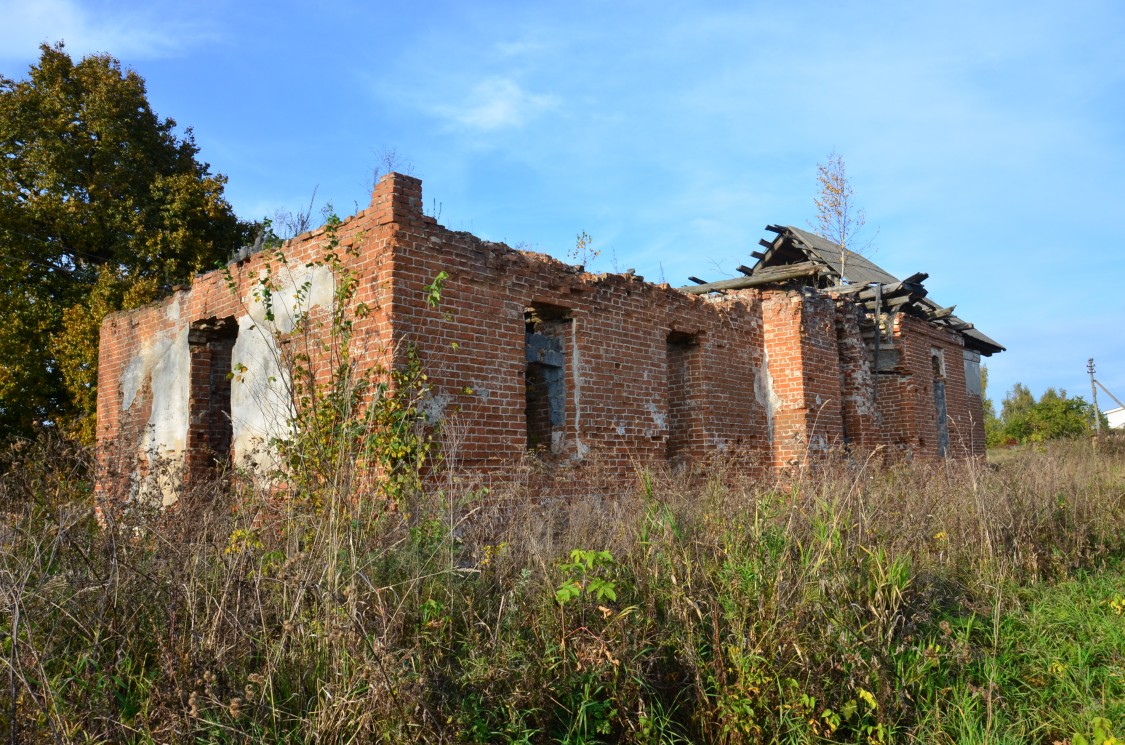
(917, 339)
(804, 362)
(615, 345)
(858, 405)
(133, 340)
(768, 377)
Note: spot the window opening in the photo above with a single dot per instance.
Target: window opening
(937, 362)
(682, 353)
(546, 328)
(211, 344)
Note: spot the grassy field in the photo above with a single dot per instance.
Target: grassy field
(958, 603)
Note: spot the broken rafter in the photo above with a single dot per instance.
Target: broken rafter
(760, 277)
(891, 303)
(845, 289)
(940, 313)
(912, 285)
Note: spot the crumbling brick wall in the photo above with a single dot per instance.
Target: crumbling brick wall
(525, 357)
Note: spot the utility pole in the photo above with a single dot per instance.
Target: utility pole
(1094, 391)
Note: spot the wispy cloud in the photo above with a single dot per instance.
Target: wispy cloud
(496, 103)
(125, 32)
(519, 48)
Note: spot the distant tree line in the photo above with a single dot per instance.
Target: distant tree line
(1022, 419)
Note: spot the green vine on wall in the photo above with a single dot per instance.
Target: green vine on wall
(355, 429)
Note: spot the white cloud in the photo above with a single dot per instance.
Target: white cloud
(146, 32)
(497, 103)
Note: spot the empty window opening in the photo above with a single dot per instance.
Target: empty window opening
(211, 343)
(972, 372)
(937, 362)
(682, 363)
(546, 330)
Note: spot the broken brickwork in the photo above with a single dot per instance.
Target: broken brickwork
(528, 357)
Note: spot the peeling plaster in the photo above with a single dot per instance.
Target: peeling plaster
(166, 433)
(139, 369)
(291, 297)
(765, 394)
(261, 391)
(261, 404)
(166, 364)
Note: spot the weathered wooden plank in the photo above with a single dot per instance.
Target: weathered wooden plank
(894, 302)
(761, 277)
(934, 315)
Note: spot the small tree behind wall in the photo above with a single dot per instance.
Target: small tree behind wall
(837, 217)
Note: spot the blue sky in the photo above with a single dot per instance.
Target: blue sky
(985, 140)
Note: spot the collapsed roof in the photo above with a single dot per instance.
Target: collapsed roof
(796, 254)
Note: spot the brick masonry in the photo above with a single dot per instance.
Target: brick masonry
(526, 357)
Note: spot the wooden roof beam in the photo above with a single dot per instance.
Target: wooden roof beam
(760, 278)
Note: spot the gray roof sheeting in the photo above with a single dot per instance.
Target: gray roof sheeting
(859, 269)
(862, 271)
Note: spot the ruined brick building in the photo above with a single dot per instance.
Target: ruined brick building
(525, 353)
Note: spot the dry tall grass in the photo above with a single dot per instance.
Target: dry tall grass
(706, 609)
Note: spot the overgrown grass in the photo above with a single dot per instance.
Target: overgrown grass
(949, 603)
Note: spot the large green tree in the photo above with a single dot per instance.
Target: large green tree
(102, 205)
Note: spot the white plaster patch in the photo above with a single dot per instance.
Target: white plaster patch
(166, 362)
(171, 380)
(261, 403)
(294, 293)
(765, 394)
(658, 417)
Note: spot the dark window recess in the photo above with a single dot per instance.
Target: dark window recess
(937, 361)
(683, 351)
(546, 329)
(211, 344)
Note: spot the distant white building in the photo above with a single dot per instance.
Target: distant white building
(1116, 417)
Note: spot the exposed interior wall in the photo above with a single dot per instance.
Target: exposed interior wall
(201, 381)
